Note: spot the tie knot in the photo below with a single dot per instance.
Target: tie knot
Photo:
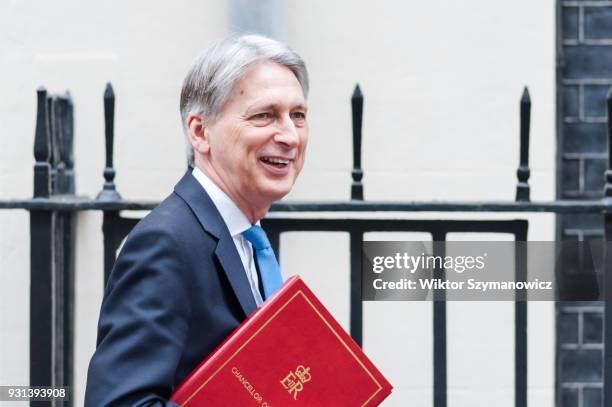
(257, 236)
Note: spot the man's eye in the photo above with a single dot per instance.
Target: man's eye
(262, 116)
(300, 116)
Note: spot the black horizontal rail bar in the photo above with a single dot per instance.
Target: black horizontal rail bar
(434, 226)
(72, 203)
(382, 206)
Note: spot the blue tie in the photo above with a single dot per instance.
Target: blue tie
(266, 261)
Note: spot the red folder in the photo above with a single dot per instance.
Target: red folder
(289, 352)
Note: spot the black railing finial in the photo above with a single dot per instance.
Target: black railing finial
(522, 188)
(357, 173)
(69, 143)
(109, 192)
(63, 133)
(42, 147)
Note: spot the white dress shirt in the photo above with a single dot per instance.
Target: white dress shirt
(236, 223)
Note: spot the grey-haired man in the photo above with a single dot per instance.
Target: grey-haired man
(187, 274)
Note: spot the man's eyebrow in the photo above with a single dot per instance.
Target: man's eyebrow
(273, 106)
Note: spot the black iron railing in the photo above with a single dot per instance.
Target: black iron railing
(54, 205)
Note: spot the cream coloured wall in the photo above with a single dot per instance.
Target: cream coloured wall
(144, 48)
(442, 81)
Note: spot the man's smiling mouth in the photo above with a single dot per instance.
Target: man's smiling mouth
(275, 161)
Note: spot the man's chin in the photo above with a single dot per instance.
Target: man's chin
(277, 193)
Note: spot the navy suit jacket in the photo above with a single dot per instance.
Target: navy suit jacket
(177, 289)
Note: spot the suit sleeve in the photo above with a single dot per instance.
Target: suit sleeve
(143, 324)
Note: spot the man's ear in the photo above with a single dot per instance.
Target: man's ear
(198, 133)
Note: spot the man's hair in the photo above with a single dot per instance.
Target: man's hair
(214, 73)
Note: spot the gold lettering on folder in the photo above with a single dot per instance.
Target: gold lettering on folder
(294, 381)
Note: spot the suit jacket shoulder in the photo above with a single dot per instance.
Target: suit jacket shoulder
(177, 289)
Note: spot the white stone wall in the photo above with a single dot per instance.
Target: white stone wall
(442, 81)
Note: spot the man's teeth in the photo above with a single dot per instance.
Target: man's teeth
(273, 160)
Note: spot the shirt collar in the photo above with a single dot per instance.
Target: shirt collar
(234, 218)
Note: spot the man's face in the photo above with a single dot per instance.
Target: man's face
(258, 142)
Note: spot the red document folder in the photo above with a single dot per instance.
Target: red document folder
(289, 352)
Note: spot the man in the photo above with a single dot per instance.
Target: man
(199, 264)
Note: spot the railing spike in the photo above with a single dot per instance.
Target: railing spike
(357, 92)
(42, 147)
(69, 130)
(51, 122)
(522, 188)
(109, 192)
(357, 173)
(526, 98)
(68, 143)
(41, 137)
(108, 91)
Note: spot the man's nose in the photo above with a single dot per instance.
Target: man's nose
(287, 133)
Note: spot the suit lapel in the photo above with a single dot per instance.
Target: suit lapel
(202, 206)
